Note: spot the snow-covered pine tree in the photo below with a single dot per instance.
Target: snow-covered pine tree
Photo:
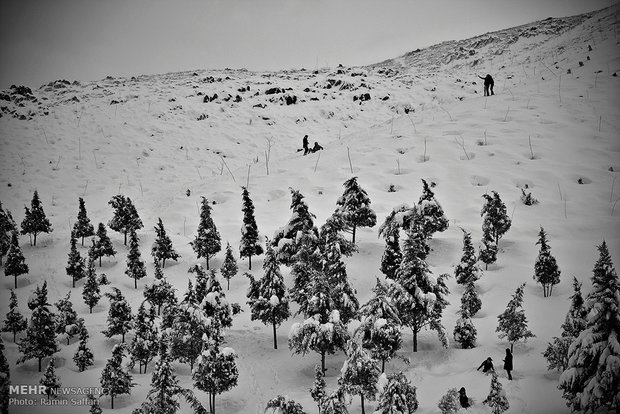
(83, 357)
(335, 403)
(250, 244)
(5, 381)
(419, 298)
(449, 402)
(287, 240)
(186, 324)
(102, 246)
(546, 270)
(465, 331)
(467, 270)
(15, 261)
(145, 343)
(470, 300)
(487, 253)
(15, 321)
(211, 298)
(125, 217)
(392, 256)
(50, 380)
(354, 206)
(135, 265)
(95, 408)
(66, 318)
(115, 379)
(380, 326)
(592, 379)
(207, 242)
(229, 267)
(496, 400)
(512, 322)
(556, 352)
(35, 221)
(162, 247)
(83, 227)
(267, 297)
(40, 341)
(432, 215)
(163, 397)
(359, 373)
(7, 228)
(91, 291)
(322, 331)
(216, 370)
(120, 320)
(280, 405)
(307, 266)
(75, 263)
(495, 219)
(160, 292)
(318, 387)
(398, 396)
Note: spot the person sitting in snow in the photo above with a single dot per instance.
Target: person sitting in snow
(487, 366)
(463, 398)
(488, 84)
(316, 147)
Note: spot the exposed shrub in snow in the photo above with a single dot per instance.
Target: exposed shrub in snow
(546, 270)
(449, 402)
(281, 405)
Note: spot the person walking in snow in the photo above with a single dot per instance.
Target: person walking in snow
(463, 398)
(305, 145)
(487, 366)
(508, 363)
(488, 84)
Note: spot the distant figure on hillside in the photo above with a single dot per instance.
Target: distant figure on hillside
(508, 363)
(487, 366)
(463, 398)
(488, 84)
(316, 147)
(305, 145)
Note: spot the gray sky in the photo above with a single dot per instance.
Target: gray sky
(44, 40)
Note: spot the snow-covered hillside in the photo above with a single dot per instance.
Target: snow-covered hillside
(551, 129)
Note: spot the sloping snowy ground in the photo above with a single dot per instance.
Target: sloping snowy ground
(151, 147)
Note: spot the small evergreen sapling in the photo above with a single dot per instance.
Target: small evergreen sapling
(83, 227)
(162, 247)
(433, 218)
(354, 206)
(512, 322)
(335, 403)
(120, 320)
(487, 253)
(229, 267)
(115, 379)
(125, 217)
(15, 321)
(268, 298)
(35, 221)
(280, 405)
(7, 228)
(75, 263)
(83, 357)
(207, 242)
(546, 270)
(398, 396)
(496, 400)
(449, 402)
(15, 262)
(145, 343)
(102, 246)
(359, 373)
(495, 219)
(40, 341)
(160, 292)
(592, 378)
(467, 270)
(470, 301)
(392, 256)
(91, 291)
(50, 380)
(465, 331)
(5, 381)
(135, 265)
(66, 318)
(250, 245)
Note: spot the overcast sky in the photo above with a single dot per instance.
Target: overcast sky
(44, 40)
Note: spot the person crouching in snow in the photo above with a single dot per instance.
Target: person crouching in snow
(487, 366)
(316, 147)
(463, 398)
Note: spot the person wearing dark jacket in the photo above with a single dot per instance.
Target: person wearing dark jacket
(508, 363)
(488, 84)
(316, 147)
(487, 366)
(305, 145)
(463, 399)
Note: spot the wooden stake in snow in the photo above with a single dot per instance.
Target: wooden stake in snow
(317, 161)
(95, 157)
(412, 123)
(198, 171)
(392, 125)
(462, 144)
(45, 135)
(85, 187)
(424, 156)
(529, 139)
(600, 120)
(506, 116)
(560, 191)
(247, 181)
(231, 174)
(446, 111)
(350, 164)
(613, 182)
(398, 166)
